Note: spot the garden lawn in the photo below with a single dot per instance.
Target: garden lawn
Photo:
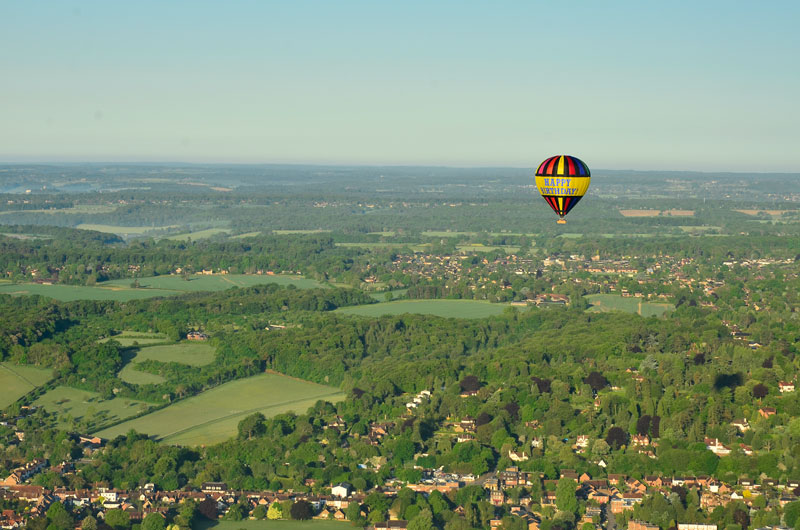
(214, 415)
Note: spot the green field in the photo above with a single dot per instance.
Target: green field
(127, 342)
(63, 400)
(123, 230)
(292, 232)
(25, 236)
(381, 297)
(477, 247)
(213, 282)
(441, 308)
(127, 339)
(615, 302)
(170, 285)
(201, 234)
(266, 524)
(441, 233)
(214, 415)
(68, 293)
(415, 247)
(78, 208)
(191, 353)
(248, 234)
(131, 375)
(17, 380)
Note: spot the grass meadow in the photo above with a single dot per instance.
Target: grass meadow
(64, 400)
(441, 308)
(68, 293)
(17, 380)
(171, 285)
(213, 282)
(129, 338)
(200, 234)
(615, 302)
(190, 353)
(213, 416)
(123, 230)
(478, 247)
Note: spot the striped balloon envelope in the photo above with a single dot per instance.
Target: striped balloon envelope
(562, 180)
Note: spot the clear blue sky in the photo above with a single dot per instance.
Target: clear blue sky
(710, 86)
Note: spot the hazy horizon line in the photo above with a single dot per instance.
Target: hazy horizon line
(60, 162)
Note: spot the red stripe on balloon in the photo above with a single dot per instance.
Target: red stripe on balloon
(570, 166)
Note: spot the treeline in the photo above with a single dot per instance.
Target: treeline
(75, 256)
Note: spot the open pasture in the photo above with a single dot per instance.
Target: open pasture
(68, 293)
(213, 416)
(415, 247)
(200, 234)
(615, 302)
(656, 213)
(479, 247)
(699, 229)
(440, 308)
(294, 232)
(123, 230)
(191, 353)
(211, 282)
(64, 400)
(447, 233)
(17, 380)
(25, 237)
(772, 213)
(131, 375)
(171, 285)
(76, 209)
(127, 338)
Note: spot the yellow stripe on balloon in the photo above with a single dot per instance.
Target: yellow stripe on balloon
(560, 204)
(560, 170)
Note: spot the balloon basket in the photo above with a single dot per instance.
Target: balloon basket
(562, 221)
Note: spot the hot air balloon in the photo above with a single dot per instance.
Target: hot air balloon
(562, 180)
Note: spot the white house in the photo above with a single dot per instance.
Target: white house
(342, 490)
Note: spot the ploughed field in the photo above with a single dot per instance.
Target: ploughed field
(170, 285)
(214, 415)
(17, 380)
(615, 302)
(441, 308)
